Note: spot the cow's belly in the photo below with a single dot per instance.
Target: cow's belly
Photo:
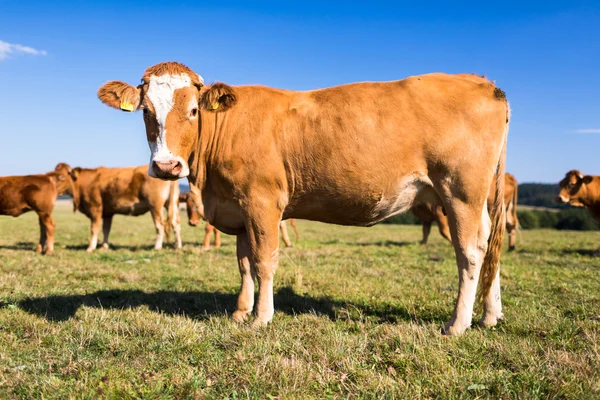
(133, 208)
(361, 208)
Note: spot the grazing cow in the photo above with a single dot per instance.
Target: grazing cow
(428, 213)
(350, 155)
(581, 190)
(101, 193)
(194, 219)
(20, 194)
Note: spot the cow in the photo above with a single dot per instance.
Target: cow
(101, 193)
(581, 190)
(194, 219)
(428, 213)
(20, 194)
(351, 155)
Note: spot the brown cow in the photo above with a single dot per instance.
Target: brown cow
(101, 193)
(581, 190)
(20, 194)
(351, 155)
(428, 213)
(194, 219)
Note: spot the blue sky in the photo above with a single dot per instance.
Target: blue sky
(545, 55)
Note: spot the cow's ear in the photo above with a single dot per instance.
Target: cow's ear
(120, 95)
(587, 179)
(218, 97)
(75, 173)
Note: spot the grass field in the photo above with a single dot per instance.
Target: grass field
(358, 315)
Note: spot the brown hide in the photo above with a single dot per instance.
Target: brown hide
(20, 194)
(101, 193)
(352, 155)
(428, 213)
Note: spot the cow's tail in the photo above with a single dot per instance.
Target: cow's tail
(172, 207)
(491, 261)
(293, 224)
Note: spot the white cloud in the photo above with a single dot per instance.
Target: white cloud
(8, 49)
(587, 130)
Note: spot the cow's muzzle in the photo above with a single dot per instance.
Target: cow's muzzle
(169, 170)
(561, 199)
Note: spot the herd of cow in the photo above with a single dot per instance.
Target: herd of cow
(352, 155)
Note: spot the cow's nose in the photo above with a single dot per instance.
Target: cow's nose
(169, 168)
(192, 222)
(560, 199)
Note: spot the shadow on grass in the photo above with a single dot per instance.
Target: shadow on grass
(201, 305)
(385, 243)
(581, 252)
(29, 246)
(134, 247)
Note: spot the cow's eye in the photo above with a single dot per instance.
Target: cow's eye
(193, 112)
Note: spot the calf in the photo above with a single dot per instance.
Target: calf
(581, 190)
(101, 193)
(429, 213)
(194, 219)
(20, 194)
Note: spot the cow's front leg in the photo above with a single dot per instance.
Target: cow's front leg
(106, 225)
(263, 235)
(245, 300)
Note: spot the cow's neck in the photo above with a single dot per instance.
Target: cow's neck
(205, 151)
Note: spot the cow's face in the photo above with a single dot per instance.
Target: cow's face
(192, 212)
(572, 188)
(169, 97)
(64, 181)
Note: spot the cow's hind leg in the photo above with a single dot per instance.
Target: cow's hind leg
(470, 229)
(106, 225)
(217, 238)
(43, 236)
(245, 300)
(426, 230)
(284, 234)
(47, 226)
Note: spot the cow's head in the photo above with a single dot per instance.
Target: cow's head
(64, 184)
(192, 211)
(573, 188)
(170, 96)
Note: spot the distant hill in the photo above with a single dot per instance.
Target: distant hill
(539, 195)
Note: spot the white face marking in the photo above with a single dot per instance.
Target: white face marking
(161, 90)
(564, 199)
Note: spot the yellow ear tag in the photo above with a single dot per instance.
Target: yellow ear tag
(214, 106)
(126, 106)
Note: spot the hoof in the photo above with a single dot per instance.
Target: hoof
(489, 320)
(38, 249)
(205, 248)
(49, 252)
(259, 324)
(453, 328)
(89, 249)
(105, 246)
(240, 316)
